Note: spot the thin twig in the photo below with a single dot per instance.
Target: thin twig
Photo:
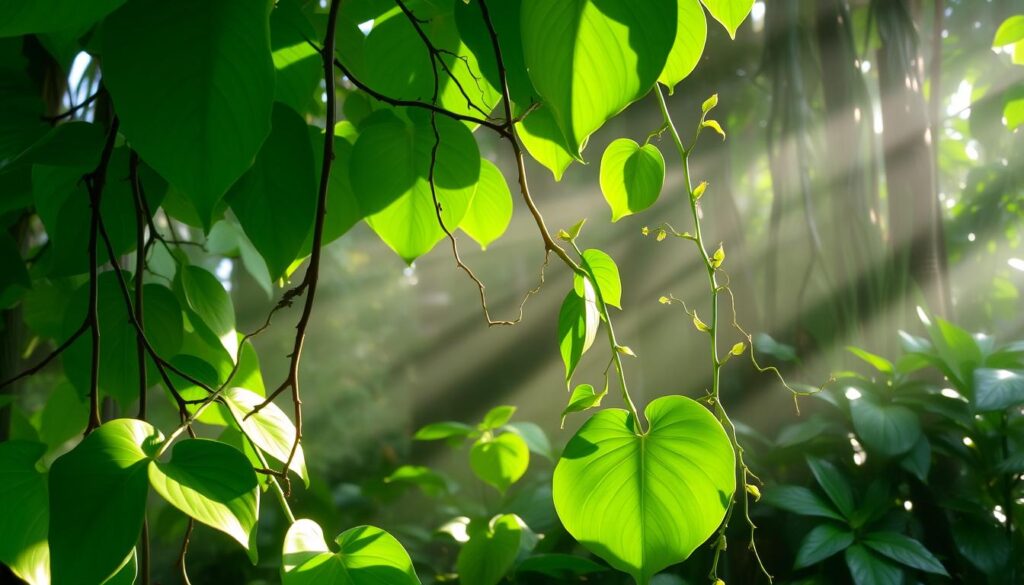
(72, 110)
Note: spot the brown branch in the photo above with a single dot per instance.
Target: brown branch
(140, 261)
(184, 551)
(95, 182)
(310, 280)
(49, 358)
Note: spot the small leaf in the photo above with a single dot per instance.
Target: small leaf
(714, 125)
(754, 491)
(698, 191)
(490, 553)
(606, 276)
(738, 348)
(700, 325)
(270, 429)
(800, 500)
(1010, 31)
(625, 350)
(821, 543)
(709, 104)
(578, 320)
(575, 230)
(661, 235)
(834, 484)
(500, 461)
(536, 439)
(431, 482)
(631, 176)
(664, 300)
(584, 397)
(443, 430)
(490, 212)
(876, 361)
(366, 556)
(731, 13)
(496, 417)
(718, 257)
(210, 306)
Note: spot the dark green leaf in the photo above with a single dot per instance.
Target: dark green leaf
(997, 389)
(559, 566)
(23, 524)
(834, 484)
(886, 428)
(821, 543)
(20, 18)
(799, 500)
(869, 569)
(905, 550)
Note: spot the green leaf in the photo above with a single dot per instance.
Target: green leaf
(270, 429)
(919, 460)
(559, 566)
(128, 572)
(589, 59)
(868, 569)
(714, 125)
(578, 320)
(997, 389)
(583, 397)
(496, 417)
(834, 484)
(800, 500)
(691, 35)
(535, 437)
(1010, 31)
(490, 552)
(958, 351)
(875, 361)
(821, 543)
(193, 86)
(889, 429)
(431, 482)
(1013, 109)
(213, 483)
(490, 212)
(443, 430)
(92, 534)
(210, 306)
(905, 550)
(605, 274)
(23, 525)
(343, 210)
(275, 200)
(297, 65)
(366, 556)
(614, 488)
(390, 168)
(983, 544)
(731, 13)
(709, 104)
(21, 18)
(544, 141)
(64, 416)
(500, 461)
(631, 176)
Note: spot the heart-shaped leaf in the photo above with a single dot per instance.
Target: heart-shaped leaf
(589, 59)
(213, 483)
(23, 497)
(731, 13)
(583, 397)
(631, 176)
(644, 501)
(367, 556)
(691, 35)
(91, 533)
(490, 552)
(500, 461)
(997, 389)
(890, 429)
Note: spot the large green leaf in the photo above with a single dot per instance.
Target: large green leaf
(298, 66)
(193, 85)
(275, 200)
(343, 209)
(578, 320)
(491, 211)
(98, 501)
(390, 168)
(20, 18)
(890, 429)
(213, 483)
(645, 501)
(500, 461)
(23, 524)
(867, 568)
(821, 543)
(691, 34)
(631, 176)
(270, 428)
(997, 389)
(209, 306)
(490, 552)
(731, 13)
(589, 59)
(905, 550)
(366, 556)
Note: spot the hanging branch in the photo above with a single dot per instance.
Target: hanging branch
(309, 281)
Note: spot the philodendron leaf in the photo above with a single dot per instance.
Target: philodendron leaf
(390, 171)
(731, 13)
(491, 211)
(997, 389)
(691, 35)
(645, 501)
(821, 543)
(213, 483)
(193, 85)
(631, 176)
(490, 552)
(270, 428)
(275, 200)
(209, 306)
(606, 276)
(890, 429)
(589, 59)
(98, 501)
(500, 461)
(583, 397)
(366, 556)
(24, 500)
(578, 320)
